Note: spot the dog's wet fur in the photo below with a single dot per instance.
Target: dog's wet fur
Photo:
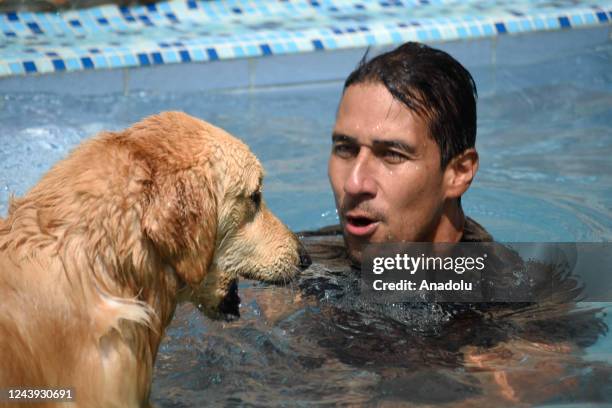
(95, 257)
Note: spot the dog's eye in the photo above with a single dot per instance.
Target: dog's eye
(256, 198)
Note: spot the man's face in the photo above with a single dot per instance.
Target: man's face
(384, 169)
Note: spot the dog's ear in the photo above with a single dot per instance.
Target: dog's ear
(180, 217)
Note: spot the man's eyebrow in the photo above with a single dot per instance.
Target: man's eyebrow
(339, 137)
(377, 144)
(394, 144)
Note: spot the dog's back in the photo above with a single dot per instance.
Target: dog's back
(55, 321)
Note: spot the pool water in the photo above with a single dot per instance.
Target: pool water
(545, 142)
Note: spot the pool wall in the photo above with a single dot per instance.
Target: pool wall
(193, 45)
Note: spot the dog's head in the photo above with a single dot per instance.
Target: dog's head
(204, 212)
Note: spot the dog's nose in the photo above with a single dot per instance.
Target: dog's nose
(305, 260)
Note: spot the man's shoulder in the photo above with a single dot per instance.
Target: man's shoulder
(474, 232)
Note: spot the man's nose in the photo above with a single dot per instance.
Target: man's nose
(361, 177)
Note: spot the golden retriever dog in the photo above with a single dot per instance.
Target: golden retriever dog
(94, 259)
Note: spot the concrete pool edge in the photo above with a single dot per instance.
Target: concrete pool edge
(296, 69)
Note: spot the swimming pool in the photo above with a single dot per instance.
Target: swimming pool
(544, 137)
(545, 143)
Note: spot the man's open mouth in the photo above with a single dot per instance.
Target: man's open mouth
(360, 225)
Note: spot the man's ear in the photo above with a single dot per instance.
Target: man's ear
(180, 218)
(460, 172)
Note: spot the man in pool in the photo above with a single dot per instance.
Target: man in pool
(403, 150)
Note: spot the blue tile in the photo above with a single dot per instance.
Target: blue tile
(602, 17)
(318, 45)
(512, 27)
(197, 55)
(237, 10)
(330, 44)
(157, 58)
(16, 68)
(191, 4)
(10, 34)
(185, 56)
(539, 23)
(75, 23)
(59, 65)
(100, 61)
(172, 17)
(35, 28)
(265, 49)
(552, 23)
(170, 56)
(130, 60)
(145, 20)
(163, 44)
(565, 23)
(501, 28)
(252, 51)
(143, 59)
(12, 16)
(29, 66)
(212, 54)
(51, 54)
(576, 21)
(292, 47)
(115, 61)
(589, 19)
(435, 34)
(461, 32)
(87, 63)
(488, 30)
(238, 51)
(73, 64)
(151, 7)
(525, 25)
(102, 21)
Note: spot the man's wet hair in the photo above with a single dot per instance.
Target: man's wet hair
(432, 84)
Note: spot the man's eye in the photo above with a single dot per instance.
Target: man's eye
(394, 157)
(344, 150)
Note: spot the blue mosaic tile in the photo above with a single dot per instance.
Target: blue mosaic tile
(179, 31)
(501, 28)
(602, 17)
(318, 45)
(130, 60)
(87, 63)
(59, 65)
(564, 22)
(29, 66)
